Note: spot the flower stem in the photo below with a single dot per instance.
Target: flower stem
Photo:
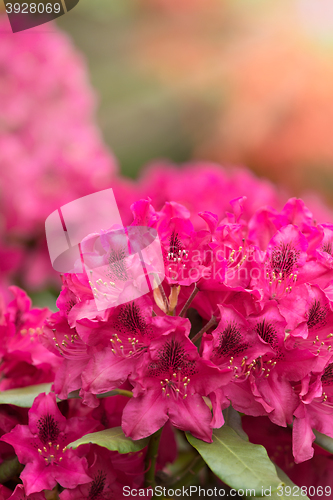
(189, 301)
(115, 392)
(186, 478)
(151, 457)
(211, 322)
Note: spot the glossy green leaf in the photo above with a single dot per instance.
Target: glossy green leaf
(9, 468)
(24, 397)
(113, 439)
(238, 463)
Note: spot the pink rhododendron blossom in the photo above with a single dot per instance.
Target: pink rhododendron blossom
(20, 494)
(313, 412)
(24, 359)
(42, 446)
(243, 317)
(169, 384)
(103, 484)
(262, 296)
(110, 367)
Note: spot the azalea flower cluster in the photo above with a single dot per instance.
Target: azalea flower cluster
(40, 436)
(242, 318)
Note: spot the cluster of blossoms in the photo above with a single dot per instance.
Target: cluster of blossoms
(243, 317)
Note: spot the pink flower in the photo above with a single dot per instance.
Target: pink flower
(20, 494)
(128, 335)
(313, 412)
(110, 472)
(24, 359)
(42, 446)
(169, 384)
(103, 484)
(65, 342)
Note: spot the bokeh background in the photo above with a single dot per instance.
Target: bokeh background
(233, 81)
(117, 85)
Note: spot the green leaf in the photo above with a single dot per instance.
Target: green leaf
(24, 397)
(323, 441)
(238, 463)
(113, 439)
(9, 468)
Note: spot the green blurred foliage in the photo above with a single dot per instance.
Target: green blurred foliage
(140, 120)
